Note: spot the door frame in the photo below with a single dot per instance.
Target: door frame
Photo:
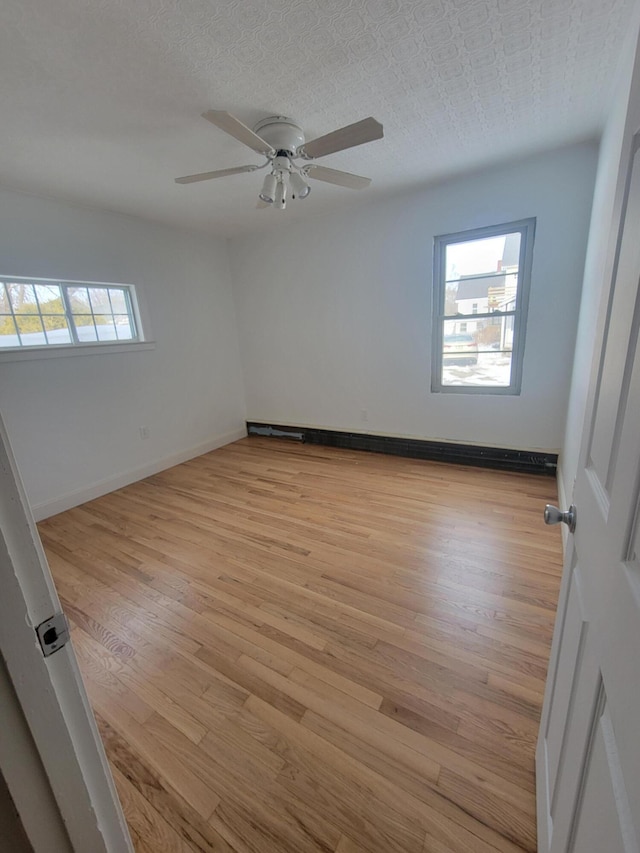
(53, 762)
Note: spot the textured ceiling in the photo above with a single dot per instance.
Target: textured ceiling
(101, 99)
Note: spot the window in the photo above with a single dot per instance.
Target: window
(482, 274)
(44, 313)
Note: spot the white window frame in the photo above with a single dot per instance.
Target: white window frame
(76, 347)
(526, 228)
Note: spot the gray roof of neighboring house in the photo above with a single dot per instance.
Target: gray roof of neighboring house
(477, 287)
(471, 287)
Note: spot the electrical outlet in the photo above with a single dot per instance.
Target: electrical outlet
(364, 415)
(144, 431)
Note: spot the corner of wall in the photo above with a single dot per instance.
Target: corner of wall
(95, 490)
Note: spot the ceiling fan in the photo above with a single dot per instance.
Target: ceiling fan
(282, 142)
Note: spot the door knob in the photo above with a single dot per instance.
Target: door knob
(553, 515)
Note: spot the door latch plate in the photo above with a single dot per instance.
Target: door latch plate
(53, 634)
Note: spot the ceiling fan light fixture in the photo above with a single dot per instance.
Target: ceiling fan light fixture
(281, 195)
(269, 188)
(282, 142)
(299, 186)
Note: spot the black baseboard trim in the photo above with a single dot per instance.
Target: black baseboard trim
(505, 459)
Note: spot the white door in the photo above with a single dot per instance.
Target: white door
(588, 758)
(52, 757)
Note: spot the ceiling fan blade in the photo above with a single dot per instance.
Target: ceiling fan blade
(234, 127)
(262, 204)
(334, 176)
(207, 176)
(346, 137)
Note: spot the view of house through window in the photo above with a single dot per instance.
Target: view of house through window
(480, 308)
(39, 312)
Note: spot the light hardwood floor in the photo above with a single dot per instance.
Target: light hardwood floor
(293, 649)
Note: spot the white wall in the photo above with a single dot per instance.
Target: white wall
(607, 204)
(73, 422)
(335, 314)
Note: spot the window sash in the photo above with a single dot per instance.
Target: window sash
(71, 317)
(526, 228)
(474, 317)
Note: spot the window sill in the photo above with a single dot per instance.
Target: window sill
(34, 353)
(501, 390)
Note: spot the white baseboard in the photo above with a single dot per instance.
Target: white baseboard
(110, 484)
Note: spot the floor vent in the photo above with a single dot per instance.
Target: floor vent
(506, 459)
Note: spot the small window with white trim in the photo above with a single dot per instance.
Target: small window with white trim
(48, 313)
(480, 299)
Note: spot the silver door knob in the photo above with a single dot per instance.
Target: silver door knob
(553, 515)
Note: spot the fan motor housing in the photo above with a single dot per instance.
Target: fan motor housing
(282, 133)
